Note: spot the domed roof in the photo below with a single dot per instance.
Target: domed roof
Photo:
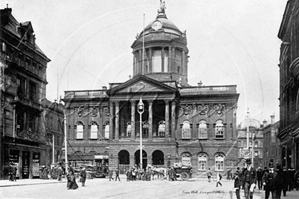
(166, 24)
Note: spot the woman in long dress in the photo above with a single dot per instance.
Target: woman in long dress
(71, 180)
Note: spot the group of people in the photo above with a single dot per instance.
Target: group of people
(71, 178)
(273, 180)
(12, 173)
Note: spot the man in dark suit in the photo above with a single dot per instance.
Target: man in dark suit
(82, 176)
(249, 180)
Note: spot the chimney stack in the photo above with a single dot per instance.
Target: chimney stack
(272, 118)
(104, 87)
(265, 123)
(200, 84)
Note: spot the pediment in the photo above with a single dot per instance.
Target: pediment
(141, 86)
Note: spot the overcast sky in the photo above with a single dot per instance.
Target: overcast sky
(232, 42)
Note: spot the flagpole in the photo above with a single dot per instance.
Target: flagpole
(143, 59)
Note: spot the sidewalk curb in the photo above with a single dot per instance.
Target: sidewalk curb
(25, 184)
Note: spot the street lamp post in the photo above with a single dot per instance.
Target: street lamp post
(66, 145)
(141, 111)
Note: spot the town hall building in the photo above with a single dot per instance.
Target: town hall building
(195, 125)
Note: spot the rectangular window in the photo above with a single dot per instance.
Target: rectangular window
(219, 132)
(94, 132)
(156, 61)
(106, 131)
(32, 91)
(219, 165)
(202, 132)
(79, 132)
(256, 153)
(202, 165)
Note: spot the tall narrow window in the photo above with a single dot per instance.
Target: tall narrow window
(166, 60)
(94, 131)
(202, 130)
(128, 129)
(156, 61)
(106, 131)
(219, 162)
(202, 162)
(219, 129)
(161, 129)
(79, 131)
(186, 130)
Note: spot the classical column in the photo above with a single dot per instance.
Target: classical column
(30, 164)
(150, 60)
(111, 119)
(173, 113)
(174, 69)
(133, 104)
(169, 61)
(162, 60)
(150, 119)
(167, 119)
(117, 121)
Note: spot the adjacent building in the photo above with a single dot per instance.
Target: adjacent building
(195, 125)
(23, 130)
(289, 86)
(271, 143)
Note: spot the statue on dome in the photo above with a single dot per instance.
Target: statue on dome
(162, 7)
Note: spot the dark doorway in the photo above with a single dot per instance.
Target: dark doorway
(137, 158)
(25, 165)
(158, 158)
(124, 161)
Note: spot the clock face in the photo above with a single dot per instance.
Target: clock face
(156, 25)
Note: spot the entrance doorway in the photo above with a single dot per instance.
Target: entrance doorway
(158, 158)
(137, 158)
(25, 166)
(124, 161)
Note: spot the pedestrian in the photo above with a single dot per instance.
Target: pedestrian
(59, 173)
(237, 182)
(209, 174)
(110, 175)
(117, 174)
(269, 181)
(71, 184)
(279, 181)
(133, 173)
(14, 172)
(127, 174)
(249, 180)
(219, 178)
(82, 176)
(259, 173)
(228, 174)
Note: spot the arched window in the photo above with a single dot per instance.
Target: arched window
(94, 130)
(219, 162)
(106, 131)
(202, 161)
(219, 129)
(161, 129)
(79, 131)
(186, 159)
(186, 130)
(128, 129)
(202, 130)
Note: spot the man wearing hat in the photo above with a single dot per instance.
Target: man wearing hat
(249, 179)
(269, 181)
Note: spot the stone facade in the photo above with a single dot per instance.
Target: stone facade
(289, 86)
(194, 125)
(23, 86)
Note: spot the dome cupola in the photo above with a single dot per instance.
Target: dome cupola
(164, 48)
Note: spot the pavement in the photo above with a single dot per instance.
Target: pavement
(259, 194)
